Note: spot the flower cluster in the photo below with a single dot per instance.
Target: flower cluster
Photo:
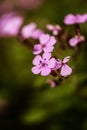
(77, 19)
(44, 62)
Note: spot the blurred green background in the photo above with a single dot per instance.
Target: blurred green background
(26, 100)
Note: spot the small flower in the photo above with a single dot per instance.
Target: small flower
(75, 19)
(43, 64)
(46, 44)
(75, 40)
(65, 69)
(54, 28)
(28, 30)
(51, 82)
(10, 24)
(37, 33)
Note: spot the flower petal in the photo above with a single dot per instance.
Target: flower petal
(57, 65)
(46, 56)
(48, 49)
(50, 27)
(51, 41)
(65, 70)
(36, 70)
(27, 30)
(37, 33)
(45, 71)
(44, 38)
(66, 59)
(81, 18)
(70, 19)
(51, 63)
(37, 49)
(36, 60)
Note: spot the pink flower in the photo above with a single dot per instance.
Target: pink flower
(54, 28)
(43, 64)
(65, 70)
(46, 44)
(75, 40)
(75, 19)
(28, 30)
(37, 33)
(51, 82)
(10, 24)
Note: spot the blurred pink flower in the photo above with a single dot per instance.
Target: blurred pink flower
(51, 82)
(37, 33)
(43, 64)
(46, 44)
(29, 4)
(10, 24)
(75, 19)
(54, 28)
(28, 30)
(75, 40)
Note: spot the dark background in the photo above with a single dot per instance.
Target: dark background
(26, 100)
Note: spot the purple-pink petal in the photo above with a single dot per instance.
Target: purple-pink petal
(70, 19)
(81, 18)
(75, 40)
(36, 70)
(28, 30)
(57, 65)
(51, 63)
(48, 49)
(52, 41)
(66, 59)
(46, 56)
(50, 27)
(37, 49)
(65, 70)
(37, 60)
(45, 71)
(44, 38)
(37, 33)
(10, 24)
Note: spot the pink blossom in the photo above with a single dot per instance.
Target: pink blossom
(28, 30)
(54, 28)
(75, 19)
(37, 33)
(10, 24)
(43, 64)
(51, 82)
(46, 44)
(75, 40)
(65, 70)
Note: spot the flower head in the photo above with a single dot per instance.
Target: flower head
(75, 40)
(46, 44)
(75, 19)
(28, 30)
(43, 64)
(65, 70)
(10, 24)
(54, 28)
(37, 33)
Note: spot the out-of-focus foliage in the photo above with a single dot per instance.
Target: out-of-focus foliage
(26, 100)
